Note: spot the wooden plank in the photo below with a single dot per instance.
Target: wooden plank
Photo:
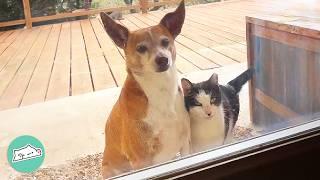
(297, 25)
(101, 74)
(279, 58)
(12, 23)
(314, 73)
(37, 88)
(303, 88)
(250, 63)
(11, 37)
(14, 92)
(111, 53)
(4, 35)
(9, 40)
(9, 71)
(193, 43)
(199, 36)
(224, 14)
(27, 13)
(203, 36)
(59, 85)
(225, 21)
(194, 57)
(125, 22)
(208, 26)
(209, 20)
(80, 72)
(13, 49)
(275, 106)
(215, 32)
(185, 66)
(215, 53)
(290, 39)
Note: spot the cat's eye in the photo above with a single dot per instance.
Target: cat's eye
(141, 49)
(212, 100)
(196, 103)
(165, 42)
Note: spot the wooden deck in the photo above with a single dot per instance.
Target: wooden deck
(72, 58)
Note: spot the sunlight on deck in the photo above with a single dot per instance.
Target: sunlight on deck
(72, 58)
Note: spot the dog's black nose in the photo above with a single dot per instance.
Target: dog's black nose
(162, 63)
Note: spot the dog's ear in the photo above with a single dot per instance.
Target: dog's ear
(118, 33)
(173, 21)
(186, 86)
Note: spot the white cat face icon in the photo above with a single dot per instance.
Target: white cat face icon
(25, 153)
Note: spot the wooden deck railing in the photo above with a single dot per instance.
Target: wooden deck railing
(143, 5)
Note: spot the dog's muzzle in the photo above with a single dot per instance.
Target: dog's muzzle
(162, 64)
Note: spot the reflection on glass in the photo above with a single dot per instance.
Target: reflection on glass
(230, 89)
(284, 90)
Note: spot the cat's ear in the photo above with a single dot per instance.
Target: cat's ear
(213, 79)
(186, 85)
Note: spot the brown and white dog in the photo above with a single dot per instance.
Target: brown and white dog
(149, 123)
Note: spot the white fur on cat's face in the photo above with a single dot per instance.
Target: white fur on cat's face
(207, 110)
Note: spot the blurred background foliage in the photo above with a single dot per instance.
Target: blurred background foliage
(13, 9)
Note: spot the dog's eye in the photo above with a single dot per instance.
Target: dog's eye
(165, 42)
(142, 48)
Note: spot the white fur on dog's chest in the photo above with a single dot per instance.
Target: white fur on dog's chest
(166, 114)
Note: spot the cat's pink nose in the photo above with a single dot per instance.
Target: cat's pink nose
(209, 114)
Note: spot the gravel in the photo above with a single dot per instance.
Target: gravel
(89, 167)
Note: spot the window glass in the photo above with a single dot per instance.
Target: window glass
(150, 83)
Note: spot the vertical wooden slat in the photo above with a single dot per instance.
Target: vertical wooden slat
(101, 74)
(59, 84)
(250, 64)
(27, 13)
(315, 84)
(111, 53)
(80, 72)
(37, 88)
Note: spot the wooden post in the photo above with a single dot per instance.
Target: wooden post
(144, 5)
(27, 13)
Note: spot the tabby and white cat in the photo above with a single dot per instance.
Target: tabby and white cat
(213, 109)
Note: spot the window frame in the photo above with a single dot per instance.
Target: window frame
(221, 157)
